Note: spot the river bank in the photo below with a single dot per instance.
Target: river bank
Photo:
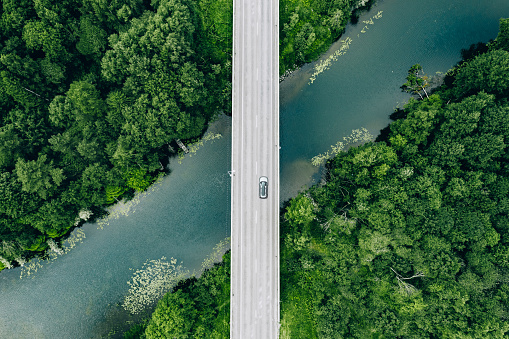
(357, 9)
(189, 213)
(184, 216)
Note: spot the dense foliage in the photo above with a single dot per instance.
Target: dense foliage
(408, 236)
(91, 92)
(196, 308)
(307, 28)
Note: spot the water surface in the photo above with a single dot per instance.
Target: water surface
(362, 87)
(189, 212)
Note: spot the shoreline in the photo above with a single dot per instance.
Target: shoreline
(357, 10)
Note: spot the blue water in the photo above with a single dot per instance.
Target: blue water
(183, 217)
(362, 87)
(77, 294)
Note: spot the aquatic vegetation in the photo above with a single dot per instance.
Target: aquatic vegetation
(53, 246)
(83, 215)
(193, 147)
(125, 208)
(21, 261)
(151, 282)
(32, 266)
(357, 136)
(217, 253)
(157, 277)
(5, 262)
(325, 64)
(71, 242)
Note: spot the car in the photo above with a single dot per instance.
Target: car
(264, 185)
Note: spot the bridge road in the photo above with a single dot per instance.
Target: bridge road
(254, 307)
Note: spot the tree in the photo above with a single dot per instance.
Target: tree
(495, 119)
(10, 146)
(53, 72)
(502, 40)
(54, 218)
(117, 101)
(60, 112)
(86, 102)
(92, 38)
(15, 14)
(138, 179)
(30, 126)
(488, 72)
(300, 211)
(416, 81)
(372, 244)
(217, 18)
(113, 193)
(113, 13)
(418, 124)
(37, 176)
(174, 317)
(153, 62)
(125, 154)
(190, 87)
(303, 41)
(38, 35)
(80, 115)
(15, 88)
(483, 149)
(14, 202)
(470, 137)
(93, 183)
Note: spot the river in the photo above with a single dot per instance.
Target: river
(77, 294)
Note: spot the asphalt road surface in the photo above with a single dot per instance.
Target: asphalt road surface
(254, 308)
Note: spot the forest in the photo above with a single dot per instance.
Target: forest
(406, 237)
(308, 28)
(196, 308)
(92, 93)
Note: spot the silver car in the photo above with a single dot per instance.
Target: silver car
(264, 185)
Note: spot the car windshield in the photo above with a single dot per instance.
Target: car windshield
(263, 187)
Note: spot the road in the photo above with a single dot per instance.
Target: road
(254, 307)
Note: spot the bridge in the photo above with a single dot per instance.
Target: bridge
(254, 296)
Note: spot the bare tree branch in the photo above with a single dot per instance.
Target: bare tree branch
(409, 289)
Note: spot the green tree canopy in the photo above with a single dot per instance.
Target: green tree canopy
(38, 176)
(502, 40)
(416, 81)
(92, 38)
(488, 72)
(153, 62)
(195, 307)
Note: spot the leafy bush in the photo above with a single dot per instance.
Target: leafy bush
(424, 250)
(195, 307)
